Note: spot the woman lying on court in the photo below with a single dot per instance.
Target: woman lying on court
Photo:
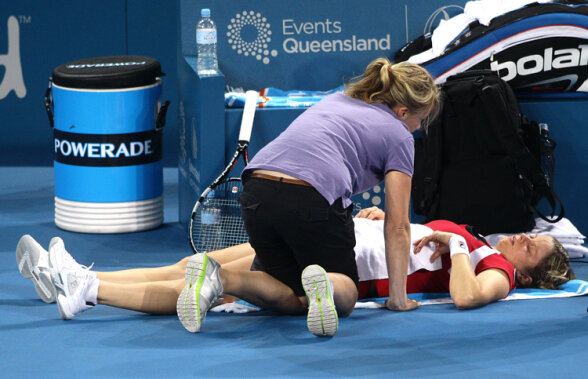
(446, 258)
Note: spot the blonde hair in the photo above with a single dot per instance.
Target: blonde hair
(553, 271)
(403, 83)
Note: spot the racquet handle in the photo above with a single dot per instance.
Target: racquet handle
(248, 113)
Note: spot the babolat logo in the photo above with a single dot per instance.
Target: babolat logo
(107, 150)
(536, 63)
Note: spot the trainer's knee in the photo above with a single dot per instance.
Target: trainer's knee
(345, 305)
(344, 294)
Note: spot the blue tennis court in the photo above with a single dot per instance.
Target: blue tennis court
(514, 339)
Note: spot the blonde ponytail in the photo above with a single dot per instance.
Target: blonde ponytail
(403, 83)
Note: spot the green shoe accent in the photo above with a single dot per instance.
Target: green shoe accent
(322, 319)
(199, 286)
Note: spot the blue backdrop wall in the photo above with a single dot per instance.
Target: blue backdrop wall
(291, 44)
(296, 48)
(312, 44)
(37, 36)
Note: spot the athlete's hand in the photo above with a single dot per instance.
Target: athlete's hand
(410, 305)
(441, 239)
(371, 213)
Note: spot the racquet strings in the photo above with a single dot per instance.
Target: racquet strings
(217, 221)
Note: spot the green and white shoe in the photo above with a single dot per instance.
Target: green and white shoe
(322, 319)
(203, 287)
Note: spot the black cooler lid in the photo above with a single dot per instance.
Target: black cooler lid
(125, 71)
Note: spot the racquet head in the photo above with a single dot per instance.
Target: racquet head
(216, 218)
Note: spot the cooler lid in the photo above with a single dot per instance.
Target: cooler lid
(125, 71)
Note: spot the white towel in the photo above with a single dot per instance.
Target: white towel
(485, 10)
(482, 11)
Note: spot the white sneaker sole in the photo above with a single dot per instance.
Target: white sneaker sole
(322, 319)
(64, 309)
(188, 305)
(27, 265)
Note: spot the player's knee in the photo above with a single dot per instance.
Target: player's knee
(178, 270)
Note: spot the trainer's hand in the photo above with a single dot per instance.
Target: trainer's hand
(410, 305)
(441, 239)
(371, 213)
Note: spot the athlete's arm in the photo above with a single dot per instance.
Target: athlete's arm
(471, 291)
(467, 289)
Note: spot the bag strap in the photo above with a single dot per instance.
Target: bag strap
(529, 171)
(433, 157)
(49, 103)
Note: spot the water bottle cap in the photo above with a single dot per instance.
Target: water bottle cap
(205, 12)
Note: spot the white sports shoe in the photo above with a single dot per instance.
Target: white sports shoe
(72, 286)
(322, 319)
(60, 259)
(203, 287)
(33, 264)
(71, 280)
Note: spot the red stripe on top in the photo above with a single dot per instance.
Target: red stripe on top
(438, 281)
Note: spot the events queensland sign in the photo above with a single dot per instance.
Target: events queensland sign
(307, 44)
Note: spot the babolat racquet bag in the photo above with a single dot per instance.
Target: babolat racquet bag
(473, 165)
(539, 49)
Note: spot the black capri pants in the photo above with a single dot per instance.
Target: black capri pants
(291, 226)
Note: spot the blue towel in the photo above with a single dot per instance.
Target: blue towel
(276, 98)
(572, 288)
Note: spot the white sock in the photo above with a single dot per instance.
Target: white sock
(92, 290)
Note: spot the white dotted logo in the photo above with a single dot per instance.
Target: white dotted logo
(249, 34)
(373, 195)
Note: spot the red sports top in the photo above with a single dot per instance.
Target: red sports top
(482, 257)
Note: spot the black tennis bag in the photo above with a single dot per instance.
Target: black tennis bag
(473, 166)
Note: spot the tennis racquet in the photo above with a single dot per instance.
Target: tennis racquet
(216, 221)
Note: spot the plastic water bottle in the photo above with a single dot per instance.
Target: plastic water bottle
(206, 44)
(547, 149)
(212, 233)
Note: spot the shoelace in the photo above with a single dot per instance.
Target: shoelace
(71, 262)
(71, 265)
(58, 282)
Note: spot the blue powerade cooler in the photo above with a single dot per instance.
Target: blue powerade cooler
(107, 117)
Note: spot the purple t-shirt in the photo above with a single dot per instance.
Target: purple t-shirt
(342, 146)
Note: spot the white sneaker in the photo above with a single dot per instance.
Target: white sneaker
(203, 287)
(72, 286)
(71, 280)
(60, 259)
(322, 319)
(33, 264)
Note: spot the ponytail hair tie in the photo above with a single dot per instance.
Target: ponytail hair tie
(390, 69)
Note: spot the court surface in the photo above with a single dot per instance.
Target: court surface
(542, 338)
